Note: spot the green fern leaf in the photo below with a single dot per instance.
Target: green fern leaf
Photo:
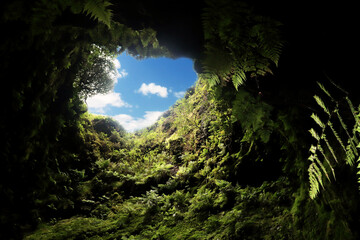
(337, 135)
(273, 53)
(350, 148)
(350, 154)
(343, 125)
(330, 148)
(98, 9)
(324, 90)
(239, 42)
(211, 79)
(317, 173)
(315, 179)
(354, 113)
(321, 103)
(321, 150)
(313, 149)
(317, 120)
(314, 134)
(314, 158)
(238, 78)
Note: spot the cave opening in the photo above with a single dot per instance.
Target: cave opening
(143, 89)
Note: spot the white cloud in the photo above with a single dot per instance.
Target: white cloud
(116, 63)
(123, 73)
(100, 101)
(131, 124)
(117, 74)
(152, 88)
(179, 94)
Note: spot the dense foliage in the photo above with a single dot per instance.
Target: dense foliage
(46, 52)
(228, 161)
(238, 42)
(346, 139)
(189, 177)
(210, 168)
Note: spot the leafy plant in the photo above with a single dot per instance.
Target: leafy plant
(238, 43)
(97, 73)
(99, 10)
(326, 154)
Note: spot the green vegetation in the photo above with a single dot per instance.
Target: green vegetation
(238, 42)
(203, 171)
(181, 180)
(228, 161)
(349, 153)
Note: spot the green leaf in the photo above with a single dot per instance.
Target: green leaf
(336, 135)
(324, 90)
(330, 148)
(317, 120)
(313, 149)
(314, 134)
(321, 103)
(238, 78)
(327, 161)
(98, 9)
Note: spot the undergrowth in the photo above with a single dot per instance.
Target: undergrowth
(216, 166)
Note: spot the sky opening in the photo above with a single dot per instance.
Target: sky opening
(144, 90)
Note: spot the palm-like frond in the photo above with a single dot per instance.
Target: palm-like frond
(99, 10)
(239, 43)
(335, 153)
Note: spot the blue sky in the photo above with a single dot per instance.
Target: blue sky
(143, 90)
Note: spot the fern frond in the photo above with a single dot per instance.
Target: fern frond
(337, 86)
(354, 138)
(98, 9)
(327, 161)
(313, 149)
(318, 174)
(321, 103)
(314, 134)
(337, 135)
(315, 179)
(350, 148)
(210, 78)
(238, 78)
(237, 38)
(147, 36)
(324, 90)
(315, 159)
(311, 158)
(317, 120)
(352, 151)
(274, 53)
(354, 113)
(343, 125)
(330, 149)
(350, 154)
